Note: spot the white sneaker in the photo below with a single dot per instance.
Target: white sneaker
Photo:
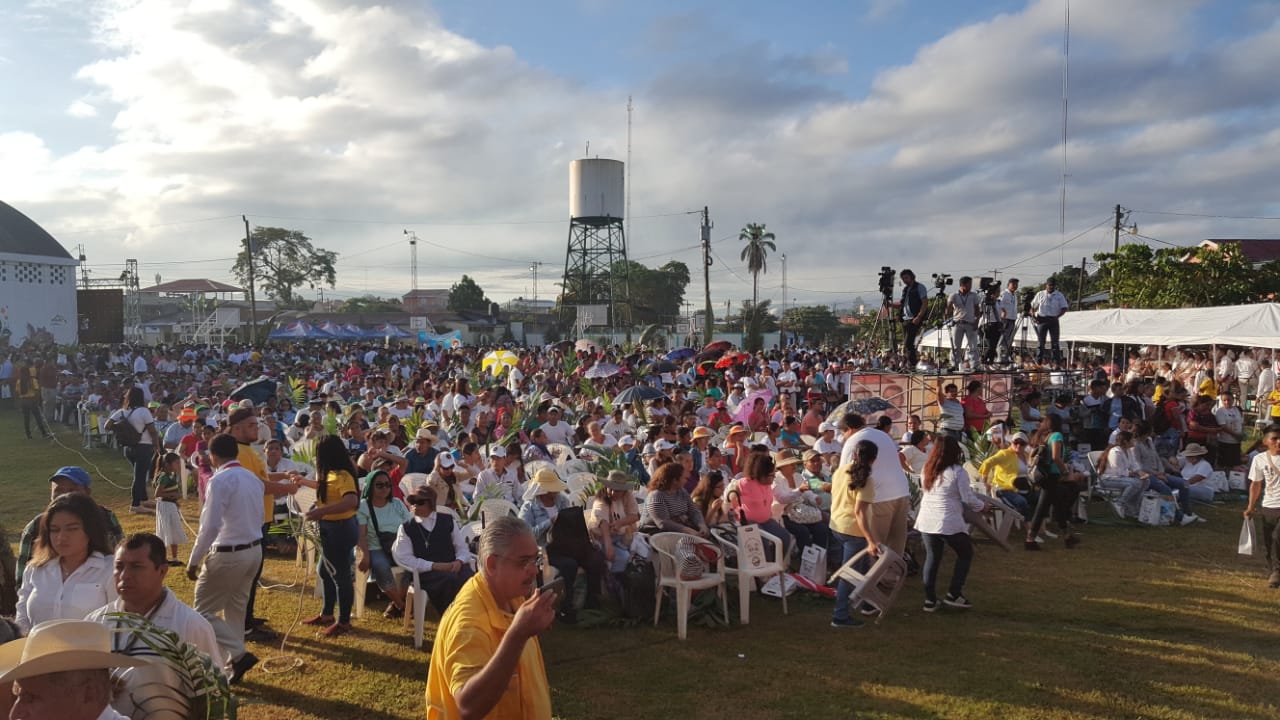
(1049, 534)
(1188, 519)
(1119, 508)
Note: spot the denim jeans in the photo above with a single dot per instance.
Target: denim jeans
(775, 528)
(337, 544)
(621, 556)
(850, 545)
(963, 547)
(1017, 501)
(380, 570)
(141, 456)
(1168, 485)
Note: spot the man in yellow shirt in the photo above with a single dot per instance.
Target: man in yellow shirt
(486, 662)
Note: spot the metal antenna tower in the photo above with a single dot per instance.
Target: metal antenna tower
(595, 260)
(413, 257)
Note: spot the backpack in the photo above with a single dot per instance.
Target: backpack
(125, 433)
(638, 594)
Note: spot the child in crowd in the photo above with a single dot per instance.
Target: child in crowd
(168, 519)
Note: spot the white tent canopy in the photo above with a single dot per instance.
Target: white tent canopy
(1248, 325)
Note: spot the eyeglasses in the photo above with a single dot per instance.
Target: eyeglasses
(526, 563)
(382, 485)
(415, 501)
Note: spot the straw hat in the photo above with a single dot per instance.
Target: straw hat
(738, 430)
(425, 434)
(786, 457)
(702, 431)
(548, 481)
(61, 646)
(1195, 450)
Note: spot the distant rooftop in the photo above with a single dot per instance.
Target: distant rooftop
(1258, 250)
(200, 285)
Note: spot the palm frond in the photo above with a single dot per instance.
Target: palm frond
(204, 685)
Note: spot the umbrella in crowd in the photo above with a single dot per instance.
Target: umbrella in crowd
(743, 413)
(721, 345)
(731, 359)
(664, 366)
(706, 366)
(708, 355)
(861, 406)
(498, 361)
(256, 390)
(602, 370)
(638, 393)
(585, 345)
(683, 353)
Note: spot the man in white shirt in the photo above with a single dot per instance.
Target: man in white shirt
(1231, 432)
(892, 490)
(616, 426)
(228, 550)
(962, 307)
(827, 445)
(1048, 307)
(1264, 486)
(431, 545)
(139, 572)
(1007, 308)
(557, 432)
(500, 479)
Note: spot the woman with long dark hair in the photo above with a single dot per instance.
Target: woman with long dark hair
(851, 496)
(337, 499)
(941, 521)
(142, 454)
(1059, 485)
(69, 575)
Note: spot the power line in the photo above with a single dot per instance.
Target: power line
(1206, 215)
(1064, 243)
(123, 228)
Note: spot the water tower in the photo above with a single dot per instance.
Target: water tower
(596, 244)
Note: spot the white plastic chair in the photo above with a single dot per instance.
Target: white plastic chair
(362, 586)
(299, 504)
(560, 452)
(494, 508)
(411, 482)
(667, 576)
(417, 601)
(879, 586)
(580, 482)
(753, 564)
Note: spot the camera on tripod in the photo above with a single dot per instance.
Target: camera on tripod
(886, 281)
(942, 280)
(1028, 296)
(989, 286)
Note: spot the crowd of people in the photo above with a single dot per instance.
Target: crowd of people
(402, 448)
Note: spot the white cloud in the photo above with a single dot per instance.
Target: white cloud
(881, 9)
(81, 109)
(333, 109)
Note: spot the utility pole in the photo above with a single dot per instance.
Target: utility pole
(1080, 290)
(1115, 250)
(413, 258)
(782, 316)
(708, 323)
(253, 298)
(533, 267)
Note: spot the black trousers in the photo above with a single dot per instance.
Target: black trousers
(910, 331)
(1047, 327)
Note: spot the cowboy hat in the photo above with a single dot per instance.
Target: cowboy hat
(738, 430)
(548, 481)
(425, 434)
(61, 646)
(618, 480)
(1195, 450)
(786, 457)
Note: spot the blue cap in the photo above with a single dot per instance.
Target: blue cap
(75, 474)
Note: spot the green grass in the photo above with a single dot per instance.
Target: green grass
(1137, 623)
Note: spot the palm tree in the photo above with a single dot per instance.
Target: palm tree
(758, 245)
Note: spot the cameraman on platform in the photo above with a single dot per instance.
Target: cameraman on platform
(990, 320)
(915, 300)
(1008, 309)
(1048, 306)
(963, 309)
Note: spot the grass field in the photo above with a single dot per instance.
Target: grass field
(1136, 623)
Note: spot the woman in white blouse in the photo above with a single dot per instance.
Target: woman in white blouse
(69, 575)
(941, 520)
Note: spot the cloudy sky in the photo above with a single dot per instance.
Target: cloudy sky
(908, 133)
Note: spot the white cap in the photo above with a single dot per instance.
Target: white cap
(447, 461)
(664, 445)
(648, 450)
(497, 451)
(627, 440)
(826, 426)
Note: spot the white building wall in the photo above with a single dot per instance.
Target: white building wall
(37, 294)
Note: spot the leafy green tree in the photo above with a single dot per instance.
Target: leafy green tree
(815, 323)
(650, 295)
(284, 260)
(467, 295)
(1175, 277)
(371, 304)
(759, 244)
(753, 321)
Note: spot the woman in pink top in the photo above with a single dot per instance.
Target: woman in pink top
(755, 499)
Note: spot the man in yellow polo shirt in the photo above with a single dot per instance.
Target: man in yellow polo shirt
(486, 661)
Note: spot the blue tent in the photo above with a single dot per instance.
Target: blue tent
(299, 330)
(354, 331)
(389, 330)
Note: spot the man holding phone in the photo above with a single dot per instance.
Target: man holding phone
(486, 661)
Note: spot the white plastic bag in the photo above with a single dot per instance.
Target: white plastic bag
(1149, 511)
(1236, 480)
(770, 588)
(1218, 481)
(1248, 538)
(813, 564)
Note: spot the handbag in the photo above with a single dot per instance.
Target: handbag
(568, 535)
(125, 433)
(689, 564)
(385, 539)
(802, 513)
